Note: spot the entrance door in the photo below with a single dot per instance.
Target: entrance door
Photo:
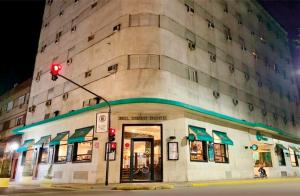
(142, 159)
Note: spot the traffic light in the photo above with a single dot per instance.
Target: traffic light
(113, 146)
(55, 69)
(111, 134)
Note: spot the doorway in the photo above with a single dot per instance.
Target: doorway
(141, 153)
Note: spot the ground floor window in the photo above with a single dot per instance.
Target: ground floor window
(281, 159)
(27, 157)
(83, 151)
(198, 151)
(293, 156)
(43, 155)
(43, 149)
(221, 153)
(262, 159)
(60, 153)
(82, 141)
(60, 143)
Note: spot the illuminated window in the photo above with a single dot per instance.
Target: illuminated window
(262, 158)
(82, 151)
(294, 159)
(221, 153)
(198, 151)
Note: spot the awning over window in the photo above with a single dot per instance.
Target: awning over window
(25, 146)
(79, 135)
(57, 139)
(297, 152)
(201, 134)
(281, 147)
(223, 138)
(43, 140)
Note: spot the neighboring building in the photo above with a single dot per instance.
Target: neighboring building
(13, 108)
(217, 71)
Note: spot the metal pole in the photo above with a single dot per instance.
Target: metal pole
(109, 123)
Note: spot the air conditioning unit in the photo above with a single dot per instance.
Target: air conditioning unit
(259, 83)
(112, 68)
(48, 102)
(117, 28)
(235, 101)
(216, 94)
(69, 61)
(231, 68)
(192, 45)
(56, 113)
(32, 108)
(88, 74)
(65, 96)
(228, 37)
(213, 57)
(73, 28)
(247, 76)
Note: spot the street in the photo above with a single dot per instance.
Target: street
(274, 189)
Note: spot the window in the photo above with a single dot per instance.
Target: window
(242, 43)
(280, 155)
(221, 153)
(43, 148)
(189, 8)
(198, 151)
(21, 100)
(192, 75)
(57, 38)
(82, 150)
(293, 156)
(239, 18)
(262, 158)
(212, 52)
(20, 120)
(225, 7)
(221, 142)
(210, 24)
(10, 106)
(61, 149)
(27, 157)
(6, 125)
(227, 33)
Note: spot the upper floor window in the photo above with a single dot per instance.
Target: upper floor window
(10, 106)
(192, 74)
(227, 33)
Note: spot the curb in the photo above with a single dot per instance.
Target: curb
(143, 187)
(245, 182)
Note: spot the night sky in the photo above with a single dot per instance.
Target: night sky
(20, 22)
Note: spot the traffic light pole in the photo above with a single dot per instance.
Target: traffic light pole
(109, 122)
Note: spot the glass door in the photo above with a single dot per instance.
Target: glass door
(142, 159)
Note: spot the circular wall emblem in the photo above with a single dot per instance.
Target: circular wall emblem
(254, 147)
(102, 118)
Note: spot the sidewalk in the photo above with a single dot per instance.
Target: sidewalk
(155, 186)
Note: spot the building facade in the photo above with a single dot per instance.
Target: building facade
(200, 90)
(13, 109)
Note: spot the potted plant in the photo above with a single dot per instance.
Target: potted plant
(4, 173)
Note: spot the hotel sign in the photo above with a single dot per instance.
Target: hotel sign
(142, 117)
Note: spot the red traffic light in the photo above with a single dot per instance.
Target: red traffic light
(113, 146)
(112, 132)
(55, 69)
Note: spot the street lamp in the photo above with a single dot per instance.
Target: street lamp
(54, 70)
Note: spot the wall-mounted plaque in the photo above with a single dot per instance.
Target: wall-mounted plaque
(173, 153)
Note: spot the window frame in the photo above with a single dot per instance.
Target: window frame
(40, 152)
(75, 148)
(204, 151)
(226, 153)
(56, 150)
(296, 158)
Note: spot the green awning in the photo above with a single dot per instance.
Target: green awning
(57, 139)
(281, 146)
(224, 139)
(79, 135)
(297, 151)
(25, 146)
(43, 140)
(201, 134)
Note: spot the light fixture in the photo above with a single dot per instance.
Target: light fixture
(14, 146)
